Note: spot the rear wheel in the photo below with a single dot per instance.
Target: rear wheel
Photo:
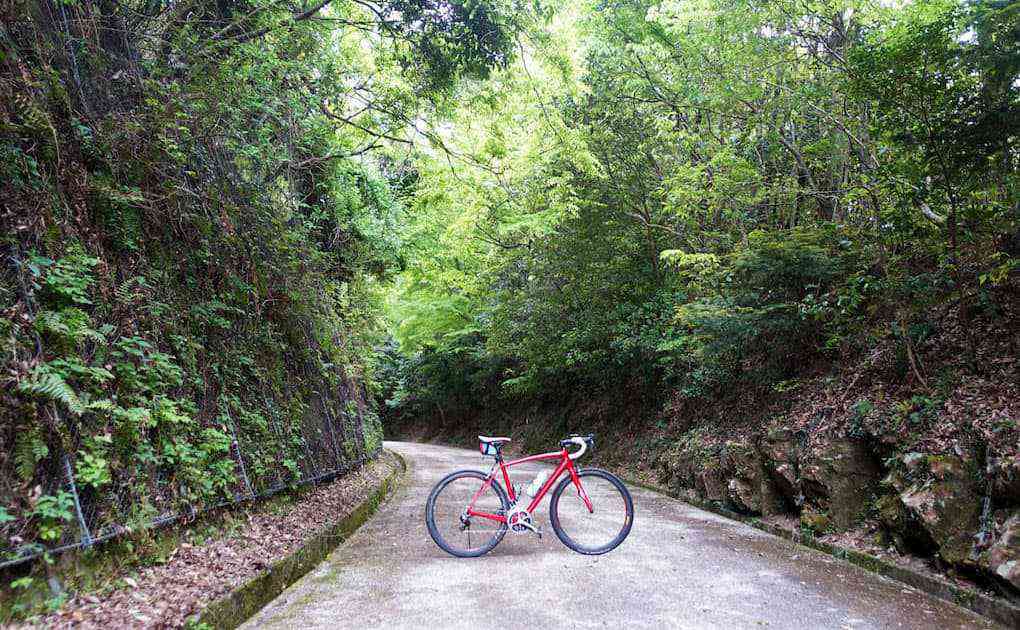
(600, 529)
(454, 531)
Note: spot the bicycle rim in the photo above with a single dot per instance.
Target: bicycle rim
(454, 531)
(600, 529)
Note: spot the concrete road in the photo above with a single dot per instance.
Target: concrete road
(680, 568)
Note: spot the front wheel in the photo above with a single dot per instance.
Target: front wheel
(599, 529)
(449, 524)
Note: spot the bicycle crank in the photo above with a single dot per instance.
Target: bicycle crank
(520, 521)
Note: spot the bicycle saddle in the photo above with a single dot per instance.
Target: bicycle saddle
(493, 440)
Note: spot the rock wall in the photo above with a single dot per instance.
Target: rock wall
(962, 512)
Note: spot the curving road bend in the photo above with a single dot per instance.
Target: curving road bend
(680, 568)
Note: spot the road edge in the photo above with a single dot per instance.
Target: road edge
(999, 611)
(243, 602)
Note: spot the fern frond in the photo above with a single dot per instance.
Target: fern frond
(24, 459)
(51, 322)
(29, 450)
(93, 335)
(104, 404)
(49, 386)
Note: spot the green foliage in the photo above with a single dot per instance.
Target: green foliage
(707, 198)
(19, 168)
(119, 211)
(48, 385)
(943, 76)
(203, 207)
(52, 512)
(450, 39)
(768, 311)
(93, 469)
(66, 280)
(29, 450)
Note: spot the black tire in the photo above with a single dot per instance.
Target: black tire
(623, 512)
(437, 530)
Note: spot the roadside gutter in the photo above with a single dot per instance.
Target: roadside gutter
(243, 602)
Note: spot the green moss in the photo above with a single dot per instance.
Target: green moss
(815, 521)
(964, 597)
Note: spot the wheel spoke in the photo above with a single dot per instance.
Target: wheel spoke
(447, 514)
(603, 526)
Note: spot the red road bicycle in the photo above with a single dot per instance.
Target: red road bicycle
(468, 512)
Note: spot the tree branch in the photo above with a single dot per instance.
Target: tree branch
(291, 20)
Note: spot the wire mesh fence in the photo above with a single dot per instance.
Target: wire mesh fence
(96, 517)
(208, 369)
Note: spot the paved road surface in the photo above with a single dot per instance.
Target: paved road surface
(680, 568)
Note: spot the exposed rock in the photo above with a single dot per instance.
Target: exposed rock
(779, 451)
(685, 466)
(1006, 481)
(737, 473)
(744, 496)
(943, 497)
(695, 467)
(773, 501)
(913, 461)
(711, 483)
(674, 468)
(840, 477)
(1003, 558)
(749, 488)
(905, 531)
(691, 466)
(744, 485)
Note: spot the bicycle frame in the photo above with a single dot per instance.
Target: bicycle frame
(566, 464)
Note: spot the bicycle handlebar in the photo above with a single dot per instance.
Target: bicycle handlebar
(583, 441)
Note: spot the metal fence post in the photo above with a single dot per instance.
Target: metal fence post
(86, 535)
(237, 453)
(332, 432)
